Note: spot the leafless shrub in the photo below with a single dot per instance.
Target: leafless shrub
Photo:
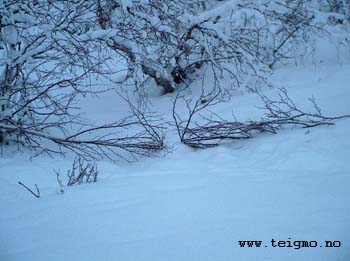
(280, 28)
(183, 126)
(279, 114)
(339, 6)
(53, 50)
(44, 68)
(171, 41)
(80, 173)
(168, 41)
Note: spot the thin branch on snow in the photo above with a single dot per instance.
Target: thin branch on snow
(35, 194)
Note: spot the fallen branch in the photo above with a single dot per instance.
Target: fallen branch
(279, 114)
(140, 133)
(35, 194)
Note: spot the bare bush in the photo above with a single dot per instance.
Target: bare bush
(339, 6)
(54, 51)
(228, 42)
(49, 62)
(81, 172)
(168, 41)
(43, 68)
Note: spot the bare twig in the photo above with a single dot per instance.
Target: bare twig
(59, 181)
(35, 194)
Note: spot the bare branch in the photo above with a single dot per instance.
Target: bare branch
(35, 194)
(279, 114)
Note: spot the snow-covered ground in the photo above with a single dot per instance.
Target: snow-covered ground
(195, 205)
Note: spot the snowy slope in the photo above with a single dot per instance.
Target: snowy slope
(196, 205)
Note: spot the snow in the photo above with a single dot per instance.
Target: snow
(196, 205)
(188, 204)
(224, 8)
